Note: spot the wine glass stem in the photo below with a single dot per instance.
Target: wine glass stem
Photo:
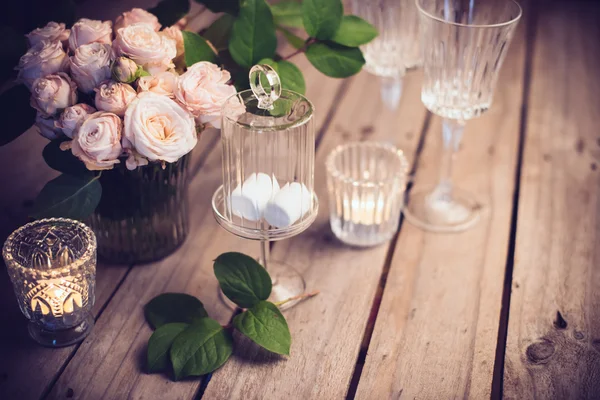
(452, 131)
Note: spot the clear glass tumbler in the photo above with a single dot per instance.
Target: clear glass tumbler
(268, 142)
(366, 183)
(52, 266)
(396, 48)
(464, 45)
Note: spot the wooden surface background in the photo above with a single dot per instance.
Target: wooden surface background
(510, 308)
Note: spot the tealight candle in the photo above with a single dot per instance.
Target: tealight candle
(52, 266)
(366, 183)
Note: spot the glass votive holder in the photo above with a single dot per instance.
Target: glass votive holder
(52, 266)
(366, 183)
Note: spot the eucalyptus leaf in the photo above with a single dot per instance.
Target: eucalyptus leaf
(196, 49)
(173, 307)
(160, 343)
(354, 31)
(288, 13)
(16, 113)
(335, 60)
(63, 160)
(228, 6)
(253, 34)
(200, 349)
(265, 325)
(68, 196)
(218, 32)
(322, 17)
(170, 11)
(243, 280)
(295, 41)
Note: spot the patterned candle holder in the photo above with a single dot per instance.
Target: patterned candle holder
(52, 265)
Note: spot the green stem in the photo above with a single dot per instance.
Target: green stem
(308, 42)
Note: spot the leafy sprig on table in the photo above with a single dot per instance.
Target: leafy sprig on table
(187, 340)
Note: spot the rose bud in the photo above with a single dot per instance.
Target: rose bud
(53, 93)
(124, 70)
(114, 97)
(72, 116)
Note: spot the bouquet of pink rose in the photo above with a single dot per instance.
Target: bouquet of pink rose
(115, 91)
(122, 105)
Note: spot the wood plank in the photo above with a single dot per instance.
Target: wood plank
(19, 355)
(436, 330)
(553, 343)
(327, 329)
(110, 363)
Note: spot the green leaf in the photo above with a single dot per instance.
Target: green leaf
(173, 307)
(354, 31)
(243, 280)
(17, 114)
(63, 161)
(68, 196)
(335, 60)
(253, 34)
(196, 49)
(160, 343)
(219, 32)
(200, 349)
(291, 77)
(265, 325)
(228, 6)
(288, 13)
(170, 11)
(322, 17)
(295, 41)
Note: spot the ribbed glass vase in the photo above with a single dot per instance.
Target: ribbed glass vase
(143, 214)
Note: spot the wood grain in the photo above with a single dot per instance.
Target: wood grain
(110, 363)
(327, 329)
(553, 344)
(437, 327)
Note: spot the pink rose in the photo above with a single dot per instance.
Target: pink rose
(202, 90)
(42, 59)
(47, 126)
(158, 128)
(174, 33)
(52, 32)
(53, 93)
(90, 65)
(72, 116)
(114, 97)
(87, 31)
(134, 16)
(162, 83)
(146, 47)
(97, 142)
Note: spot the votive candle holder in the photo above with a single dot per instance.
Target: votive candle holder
(366, 182)
(52, 266)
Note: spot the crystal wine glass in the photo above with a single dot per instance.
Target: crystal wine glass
(464, 45)
(396, 48)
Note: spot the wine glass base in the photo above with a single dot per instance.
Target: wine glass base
(435, 214)
(61, 338)
(287, 283)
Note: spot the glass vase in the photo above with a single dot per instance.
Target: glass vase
(143, 214)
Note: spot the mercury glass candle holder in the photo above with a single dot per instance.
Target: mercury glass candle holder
(52, 266)
(268, 142)
(366, 183)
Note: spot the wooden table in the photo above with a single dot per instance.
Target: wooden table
(510, 308)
